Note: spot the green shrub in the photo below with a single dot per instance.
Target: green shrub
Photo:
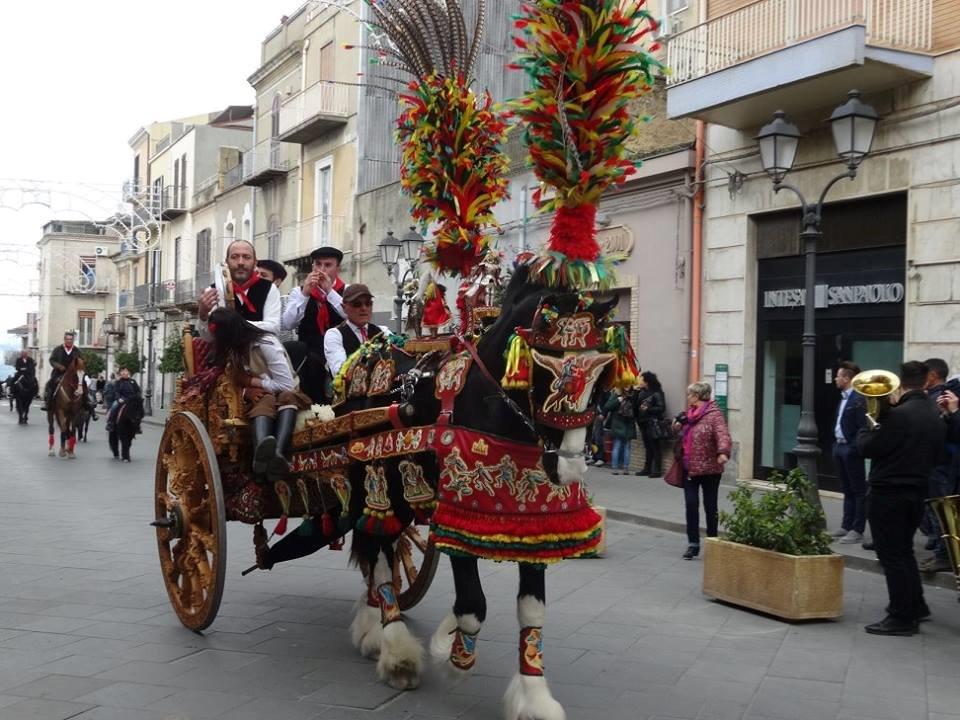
(172, 359)
(129, 360)
(93, 363)
(783, 519)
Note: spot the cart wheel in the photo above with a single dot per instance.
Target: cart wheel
(414, 565)
(191, 527)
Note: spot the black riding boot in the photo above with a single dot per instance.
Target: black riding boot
(279, 466)
(47, 392)
(265, 444)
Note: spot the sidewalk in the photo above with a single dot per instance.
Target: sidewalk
(651, 502)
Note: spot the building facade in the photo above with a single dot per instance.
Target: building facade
(887, 264)
(77, 287)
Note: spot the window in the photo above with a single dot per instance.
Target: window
(275, 116)
(136, 170)
(273, 237)
(183, 181)
(176, 180)
(176, 259)
(85, 324)
(327, 75)
(88, 273)
(203, 256)
(675, 6)
(323, 201)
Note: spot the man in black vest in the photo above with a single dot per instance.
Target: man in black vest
(312, 310)
(342, 341)
(256, 299)
(905, 446)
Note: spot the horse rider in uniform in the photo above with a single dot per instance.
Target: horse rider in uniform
(256, 299)
(314, 309)
(125, 388)
(62, 359)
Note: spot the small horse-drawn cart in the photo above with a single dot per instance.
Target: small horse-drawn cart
(203, 481)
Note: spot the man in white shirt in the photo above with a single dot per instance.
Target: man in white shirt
(255, 298)
(342, 341)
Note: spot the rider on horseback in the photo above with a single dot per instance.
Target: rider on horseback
(24, 365)
(124, 389)
(61, 359)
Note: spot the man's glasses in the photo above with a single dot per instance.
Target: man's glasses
(361, 303)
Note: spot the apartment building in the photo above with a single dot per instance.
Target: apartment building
(888, 261)
(77, 288)
(187, 202)
(303, 165)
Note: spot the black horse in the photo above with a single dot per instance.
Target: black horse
(22, 393)
(125, 428)
(87, 413)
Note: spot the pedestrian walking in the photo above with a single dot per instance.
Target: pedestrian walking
(705, 448)
(651, 405)
(621, 407)
(850, 417)
(904, 447)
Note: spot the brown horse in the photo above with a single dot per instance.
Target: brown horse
(65, 408)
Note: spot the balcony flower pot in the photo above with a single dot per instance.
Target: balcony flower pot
(776, 557)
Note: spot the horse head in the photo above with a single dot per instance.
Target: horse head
(134, 411)
(564, 331)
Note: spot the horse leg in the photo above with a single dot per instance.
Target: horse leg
(528, 696)
(366, 632)
(50, 435)
(114, 444)
(455, 641)
(125, 442)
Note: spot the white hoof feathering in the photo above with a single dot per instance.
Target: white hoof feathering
(442, 639)
(571, 466)
(529, 698)
(366, 632)
(401, 657)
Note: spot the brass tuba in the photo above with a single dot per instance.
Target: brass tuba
(948, 513)
(876, 386)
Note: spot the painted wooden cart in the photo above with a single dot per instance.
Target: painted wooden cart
(203, 481)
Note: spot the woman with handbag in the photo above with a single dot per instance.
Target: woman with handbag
(705, 448)
(623, 426)
(650, 408)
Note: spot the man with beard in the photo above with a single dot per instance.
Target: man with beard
(255, 298)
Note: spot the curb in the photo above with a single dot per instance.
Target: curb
(943, 580)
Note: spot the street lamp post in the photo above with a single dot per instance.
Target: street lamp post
(391, 249)
(150, 317)
(853, 125)
(107, 327)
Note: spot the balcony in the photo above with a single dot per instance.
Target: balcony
(177, 292)
(264, 162)
(232, 178)
(141, 296)
(86, 284)
(173, 202)
(309, 114)
(299, 239)
(795, 55)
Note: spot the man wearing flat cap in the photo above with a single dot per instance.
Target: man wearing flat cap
(318, 305)
(342, 341)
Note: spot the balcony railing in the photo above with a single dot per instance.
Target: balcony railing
(232, 177)
(124, 300)
(769, 25)
(319, 108)
(186, 292)
(174, 201)
(299, 239)
(142, 296)
(264, 162)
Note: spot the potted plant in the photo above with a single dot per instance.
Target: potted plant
(776, 556)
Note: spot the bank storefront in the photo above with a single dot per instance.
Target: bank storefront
(859, 300)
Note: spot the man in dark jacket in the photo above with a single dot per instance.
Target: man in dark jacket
(904, 446)
(124, 389)
(940, 484)
(61, 359)
(850, 417)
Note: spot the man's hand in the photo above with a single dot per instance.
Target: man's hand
(206, 303)
(324, 281)
(253, 394)
(311, 283)
(948, 401)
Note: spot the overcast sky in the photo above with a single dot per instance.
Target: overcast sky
(79, 79)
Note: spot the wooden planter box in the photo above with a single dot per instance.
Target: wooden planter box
(793, 587)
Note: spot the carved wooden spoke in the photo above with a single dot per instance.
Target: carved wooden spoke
(414, 565)
(189, 507)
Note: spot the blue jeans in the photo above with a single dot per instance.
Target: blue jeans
(620, 457)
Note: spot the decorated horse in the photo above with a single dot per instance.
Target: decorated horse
(87, 413)
(22, 392)
(125, 428)
(64, 409)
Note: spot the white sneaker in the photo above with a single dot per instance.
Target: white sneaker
(839, 533)
(598, 463)
(851, 537)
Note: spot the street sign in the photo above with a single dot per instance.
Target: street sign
(721, 382)
(170, 285)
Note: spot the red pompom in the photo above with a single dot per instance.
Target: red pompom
(281, 527)
(574, 233)
(326, 524)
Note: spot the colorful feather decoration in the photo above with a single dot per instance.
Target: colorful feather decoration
(586, 65)
(452, 168)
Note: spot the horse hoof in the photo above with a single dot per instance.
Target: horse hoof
(71, 456)
(126, 459)
(366, 632)
(529, 698)
(51, 453)
(63, 453)
(401, 657)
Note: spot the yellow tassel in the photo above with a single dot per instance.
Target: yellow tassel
(516, 375)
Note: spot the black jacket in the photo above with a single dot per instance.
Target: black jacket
(906, 446)
(650, 406)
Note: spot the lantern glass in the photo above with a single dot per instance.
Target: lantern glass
(778, 142)
(412, 243)
(853, 125)
(389, 250)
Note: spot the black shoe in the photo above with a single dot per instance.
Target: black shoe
(922, 616)
(892, 626)
(645, 471)
(692, 552)
(655, 475)
(867, 545)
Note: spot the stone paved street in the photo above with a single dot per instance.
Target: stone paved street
(86, 630)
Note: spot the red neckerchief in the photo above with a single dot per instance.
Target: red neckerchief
(323, 315)
(241, 292)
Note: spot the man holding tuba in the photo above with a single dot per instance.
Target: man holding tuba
(904, 446)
